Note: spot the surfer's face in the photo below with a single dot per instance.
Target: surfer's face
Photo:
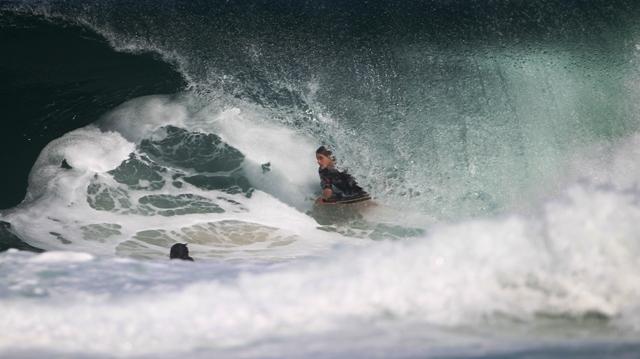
(323, 161)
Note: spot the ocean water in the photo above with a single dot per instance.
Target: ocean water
(499, 140)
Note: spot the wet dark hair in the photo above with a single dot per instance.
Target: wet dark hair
(325, 152)
(180, 251)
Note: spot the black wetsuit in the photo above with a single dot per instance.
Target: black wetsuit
(342, 184)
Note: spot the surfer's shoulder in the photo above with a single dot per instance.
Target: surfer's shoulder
(328, 171)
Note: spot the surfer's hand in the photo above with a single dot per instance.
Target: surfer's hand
(327, 193)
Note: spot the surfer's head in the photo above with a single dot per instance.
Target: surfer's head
(324, 157)
(180, 251)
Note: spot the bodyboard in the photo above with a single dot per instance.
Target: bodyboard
(345, 200)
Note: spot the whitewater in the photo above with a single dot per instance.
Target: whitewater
(503, 166)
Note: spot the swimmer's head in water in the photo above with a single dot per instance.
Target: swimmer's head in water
(324, 157)
(180, 251)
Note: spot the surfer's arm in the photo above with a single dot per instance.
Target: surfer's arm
(326, 184)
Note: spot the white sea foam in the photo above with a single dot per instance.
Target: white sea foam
(67, 257)
(291, 175)
(575, 259)
(87, 150)
(140, 117)
(64, 210)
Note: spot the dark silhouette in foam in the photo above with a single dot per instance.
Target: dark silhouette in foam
(180, 251)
